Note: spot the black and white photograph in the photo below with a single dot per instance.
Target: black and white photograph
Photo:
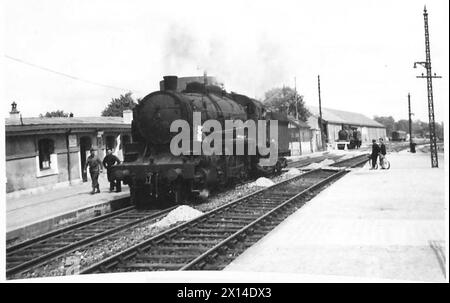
(225, 142)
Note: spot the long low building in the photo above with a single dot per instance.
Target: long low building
(335, 120)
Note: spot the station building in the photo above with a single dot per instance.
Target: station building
(302, 137)
(50, 152)
(334, 120)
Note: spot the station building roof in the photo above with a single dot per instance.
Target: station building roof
(344, 117)
(38, 124)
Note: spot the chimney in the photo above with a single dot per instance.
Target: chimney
(170, 83)
(14, 114)
(127, 116)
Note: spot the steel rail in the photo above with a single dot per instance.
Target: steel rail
(253, 223)
(225, 242)
(42, 259)
(64, 229)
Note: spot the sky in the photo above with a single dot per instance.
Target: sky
(77, 55)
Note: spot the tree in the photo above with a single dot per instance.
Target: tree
(439, 130)
(388, 122)
(420, 129)
(117, 105)
(402, 125)
(56, 113)
(286, 99)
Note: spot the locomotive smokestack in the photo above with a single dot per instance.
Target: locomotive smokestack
(170, 83)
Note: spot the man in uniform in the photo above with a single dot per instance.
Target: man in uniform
(95, 168)
(108, 162)
(358, 139)
(382, 151)
(375, 152)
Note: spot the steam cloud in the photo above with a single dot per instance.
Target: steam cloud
(250, 67)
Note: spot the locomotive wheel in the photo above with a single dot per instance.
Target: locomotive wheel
(140, 196)
(278, 168)
(177, 193)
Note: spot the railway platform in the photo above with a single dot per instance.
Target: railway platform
(371, 225)
(34, 214)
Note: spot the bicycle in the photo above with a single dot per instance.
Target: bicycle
(384, 163)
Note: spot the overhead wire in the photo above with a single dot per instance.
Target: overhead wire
(67, 75)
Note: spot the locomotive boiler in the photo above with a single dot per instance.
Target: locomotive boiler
(157, 176)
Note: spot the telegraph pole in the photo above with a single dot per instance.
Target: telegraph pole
(411, 148)
(429, 77)
(320, 115)
(296, 99)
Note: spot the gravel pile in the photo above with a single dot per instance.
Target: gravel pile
(222, 198)
(262, 182)
(324, 163)
(180, 214)
(312, 166)
(293, 172)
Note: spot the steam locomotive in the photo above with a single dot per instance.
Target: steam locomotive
(156, 176)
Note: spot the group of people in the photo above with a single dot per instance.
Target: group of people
(96, 168)
(377, 151)
(355, 138)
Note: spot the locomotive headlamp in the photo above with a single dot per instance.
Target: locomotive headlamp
(172, 174)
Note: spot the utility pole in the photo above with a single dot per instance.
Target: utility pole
(296, 99)
(320, 115)
(429, 77)
(296, 116)
(411, 147)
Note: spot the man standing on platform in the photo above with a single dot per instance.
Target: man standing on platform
(382, 151)
(108, 162)
(375, 152)
(95, 168)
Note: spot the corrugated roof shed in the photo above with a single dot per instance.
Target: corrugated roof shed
(344, 117)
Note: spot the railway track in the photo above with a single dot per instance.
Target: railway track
(213, 239)
(27, 254)
(38, 251)
(351, 162)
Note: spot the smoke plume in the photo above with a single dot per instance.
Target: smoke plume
(250, 67)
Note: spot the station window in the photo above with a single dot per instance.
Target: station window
(46, 149)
